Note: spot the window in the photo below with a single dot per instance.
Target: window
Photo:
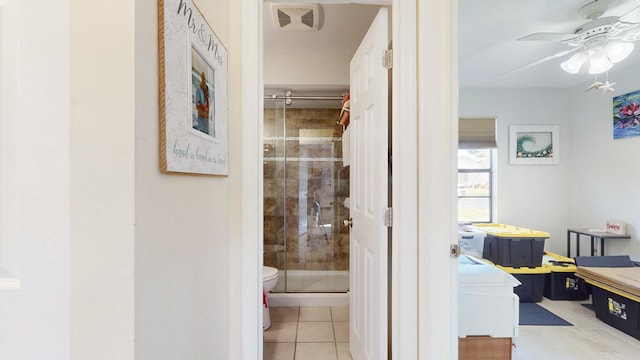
(476, 144)
(475, 190)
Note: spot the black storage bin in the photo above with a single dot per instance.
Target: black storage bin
(617, 311)
(562, 283)
(564, 286)
(532, 287)
(514, 252)
(512, 246)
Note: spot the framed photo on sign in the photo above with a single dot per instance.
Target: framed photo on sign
(534, 145)
(193, 92)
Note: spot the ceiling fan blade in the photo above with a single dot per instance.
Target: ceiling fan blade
(550, 57)
(632, 16)
(543, 36)
(627, 27)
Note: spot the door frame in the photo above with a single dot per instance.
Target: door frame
(421, 289)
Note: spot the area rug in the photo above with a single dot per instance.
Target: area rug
(533, 314)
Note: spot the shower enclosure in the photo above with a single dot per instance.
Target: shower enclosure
(305, 188)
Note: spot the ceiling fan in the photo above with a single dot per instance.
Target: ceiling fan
(602, 41)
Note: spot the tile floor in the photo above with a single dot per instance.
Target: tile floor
(308, 333)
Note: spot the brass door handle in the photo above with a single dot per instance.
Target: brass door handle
(349, 222)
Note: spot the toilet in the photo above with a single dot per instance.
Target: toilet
(269, 281)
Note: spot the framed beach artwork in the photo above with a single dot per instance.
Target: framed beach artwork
(626, 115)
(193, 92)
(534, 145)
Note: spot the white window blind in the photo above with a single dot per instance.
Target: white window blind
(477, 133)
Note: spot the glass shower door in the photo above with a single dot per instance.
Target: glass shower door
(274, 188)
(305, 190)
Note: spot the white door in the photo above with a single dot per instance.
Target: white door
(368, 192)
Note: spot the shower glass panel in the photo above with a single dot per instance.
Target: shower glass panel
(305, 187)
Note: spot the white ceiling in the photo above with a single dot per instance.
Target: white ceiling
(488, 49)
(341, 28)
(487, 45)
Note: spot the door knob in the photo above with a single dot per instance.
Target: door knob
(349, 222)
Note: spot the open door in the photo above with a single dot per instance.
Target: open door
(368, 187)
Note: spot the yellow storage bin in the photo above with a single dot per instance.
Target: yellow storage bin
(510, 231)
(558, 263)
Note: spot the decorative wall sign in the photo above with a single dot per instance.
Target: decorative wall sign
(534, 145)
(193, 92)
(626, 115)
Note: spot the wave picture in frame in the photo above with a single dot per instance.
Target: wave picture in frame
(534, 145)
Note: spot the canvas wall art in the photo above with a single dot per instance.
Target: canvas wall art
(626, 115)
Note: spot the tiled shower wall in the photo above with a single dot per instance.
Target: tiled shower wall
(305, 186)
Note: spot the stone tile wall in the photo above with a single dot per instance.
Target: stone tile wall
(305, 186)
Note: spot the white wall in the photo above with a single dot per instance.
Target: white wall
(183, 233)
(34, 192)
(535, 196)
(604, 173)
(597, 176)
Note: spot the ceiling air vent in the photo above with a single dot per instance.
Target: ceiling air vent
(296, 17)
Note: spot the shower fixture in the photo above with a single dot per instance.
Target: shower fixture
(288, 97)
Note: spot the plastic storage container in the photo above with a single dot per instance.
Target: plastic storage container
(561, 283)
(512, 246)
(471, 242)
(615, 291)
(531, 279)
(616, 310)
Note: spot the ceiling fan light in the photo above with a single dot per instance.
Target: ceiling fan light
(599, 64)
(618, 51)
(574, 63)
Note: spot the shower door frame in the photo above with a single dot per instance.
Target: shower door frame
(283, 103)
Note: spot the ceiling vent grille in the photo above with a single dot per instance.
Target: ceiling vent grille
(296, 17)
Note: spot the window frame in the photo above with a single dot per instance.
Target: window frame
(491, 195)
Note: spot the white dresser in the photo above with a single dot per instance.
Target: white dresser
(487, 305)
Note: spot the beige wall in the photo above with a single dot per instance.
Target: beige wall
(234, 40)
(34, 180)
(102, 179)
(183, 241)
(285, 70)
(151, 253)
